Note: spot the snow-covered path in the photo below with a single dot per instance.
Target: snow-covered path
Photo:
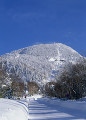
(40, 110)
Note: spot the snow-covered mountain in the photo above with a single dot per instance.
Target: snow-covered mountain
(40, 62)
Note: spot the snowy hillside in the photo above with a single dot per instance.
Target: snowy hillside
(40, 62)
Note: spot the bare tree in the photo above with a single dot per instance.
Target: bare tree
(50, 89)
(72, 82)
(33, 88)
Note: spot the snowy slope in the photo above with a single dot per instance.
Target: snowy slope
(40, 62)
(12, 110)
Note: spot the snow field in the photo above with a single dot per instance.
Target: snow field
(13, 110)
(76, 105)
(42, 109)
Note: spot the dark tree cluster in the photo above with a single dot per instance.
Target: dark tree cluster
(33, 88)
(50, 89)
(71, 84)
(10, 84)
(17, 88)
(4, 78)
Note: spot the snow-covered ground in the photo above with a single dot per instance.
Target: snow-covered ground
(13, 110)
(54, 109)
(42, 109)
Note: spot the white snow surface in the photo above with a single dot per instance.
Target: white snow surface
(55, 109)
(13, 110)
(42, 109)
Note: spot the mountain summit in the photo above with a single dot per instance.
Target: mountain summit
(40, 62)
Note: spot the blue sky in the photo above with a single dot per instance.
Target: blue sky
(27, 22)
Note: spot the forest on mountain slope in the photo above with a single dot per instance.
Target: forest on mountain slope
(71, 84)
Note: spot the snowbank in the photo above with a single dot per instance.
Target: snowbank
(34, 97)
(12, 110)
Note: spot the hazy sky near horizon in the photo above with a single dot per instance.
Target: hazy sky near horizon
(27, 22)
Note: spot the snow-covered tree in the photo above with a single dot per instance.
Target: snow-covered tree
(72, 82)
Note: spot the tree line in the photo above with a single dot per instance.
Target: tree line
(11, 85)
(70, 85)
